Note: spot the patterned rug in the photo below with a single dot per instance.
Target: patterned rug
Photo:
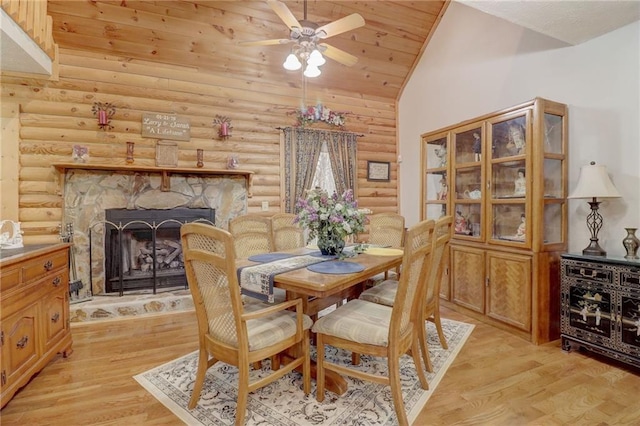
(284, 403)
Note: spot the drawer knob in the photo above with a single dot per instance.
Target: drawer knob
(48, 266)
(55, 317)
(22, 343)
(590, 275)
(56, 281)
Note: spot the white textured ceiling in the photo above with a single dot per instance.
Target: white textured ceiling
(571, 21)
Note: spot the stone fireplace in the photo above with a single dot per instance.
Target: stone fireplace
(90, 192)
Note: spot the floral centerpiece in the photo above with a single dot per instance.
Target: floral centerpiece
(330, 218)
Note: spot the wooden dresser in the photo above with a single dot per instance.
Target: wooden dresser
(34, 312)
(601, 306)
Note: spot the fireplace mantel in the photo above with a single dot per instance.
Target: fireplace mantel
(165, 172)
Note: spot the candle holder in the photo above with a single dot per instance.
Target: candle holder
(224, 132)
(130, 146)
(199, 158)
(104, 111)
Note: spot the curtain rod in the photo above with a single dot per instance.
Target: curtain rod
(322, 130)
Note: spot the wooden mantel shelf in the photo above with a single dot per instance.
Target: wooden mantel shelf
(165, 172)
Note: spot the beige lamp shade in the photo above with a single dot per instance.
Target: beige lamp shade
(594, 182)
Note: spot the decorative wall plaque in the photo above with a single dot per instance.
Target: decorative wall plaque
(166, 126)
(166, 154)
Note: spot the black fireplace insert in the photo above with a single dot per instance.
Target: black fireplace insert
(142, 248)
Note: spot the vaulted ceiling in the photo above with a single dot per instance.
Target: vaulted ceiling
(204, 35)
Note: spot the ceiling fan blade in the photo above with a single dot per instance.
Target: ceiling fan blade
(338, 55)
(340, 26)
(265, 42)
(284, 13)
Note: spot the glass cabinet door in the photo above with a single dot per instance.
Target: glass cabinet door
(435, 183)
(509, 179)
(468, 181)
(553, 171)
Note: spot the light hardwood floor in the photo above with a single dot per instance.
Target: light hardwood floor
(497, 379)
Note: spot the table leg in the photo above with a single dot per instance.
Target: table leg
(333, 381)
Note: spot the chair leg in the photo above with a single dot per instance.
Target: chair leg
(415, 350)
(320, 368)
(203, 360)
(436, 321)
(275, 362)
(422, 338)
(243, 394)
(396, 390)
(306, 365)
(355, 358)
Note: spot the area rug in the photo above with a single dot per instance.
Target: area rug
(284, 404)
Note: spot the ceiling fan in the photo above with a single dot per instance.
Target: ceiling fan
(306, 36)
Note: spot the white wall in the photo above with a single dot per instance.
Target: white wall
(476, 63)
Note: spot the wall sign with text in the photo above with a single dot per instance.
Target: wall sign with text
(166, 126)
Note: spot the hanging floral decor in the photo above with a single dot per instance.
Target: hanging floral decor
(319, 114)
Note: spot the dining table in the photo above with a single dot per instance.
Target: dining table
(319, 290)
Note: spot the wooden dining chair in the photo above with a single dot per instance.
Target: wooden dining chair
(386, 229)
(385, 292)
(233, 333)
(251, 235)
(365, 327)
(287, 234)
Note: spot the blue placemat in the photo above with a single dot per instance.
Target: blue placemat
(269, 257)
(337, 267)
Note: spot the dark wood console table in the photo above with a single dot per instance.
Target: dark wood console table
(601, 306)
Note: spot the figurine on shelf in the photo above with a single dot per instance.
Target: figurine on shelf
(521, 233)
(444, 189)
(477, 147)
(520, 184)
(441, 153)
(516, 142)
(461, 224)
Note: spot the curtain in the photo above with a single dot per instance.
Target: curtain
(342, 153)
(302, 149)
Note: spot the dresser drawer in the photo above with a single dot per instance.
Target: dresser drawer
(56, 317)
(9, 278)
(37, 268)
(588, 271)
(630, 279)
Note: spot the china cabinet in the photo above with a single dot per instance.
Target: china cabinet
(34, 312)
(601, 306)
(503, 176)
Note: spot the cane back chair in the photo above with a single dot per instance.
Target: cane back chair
(365, 327)
(230, 332)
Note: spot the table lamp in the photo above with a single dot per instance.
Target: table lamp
(594, 183)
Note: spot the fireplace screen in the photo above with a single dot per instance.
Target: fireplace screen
(143, 250)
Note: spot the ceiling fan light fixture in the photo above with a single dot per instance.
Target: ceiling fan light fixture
(316, 58)
(311, 71)
(292, 63)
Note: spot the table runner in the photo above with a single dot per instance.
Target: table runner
(257, 280)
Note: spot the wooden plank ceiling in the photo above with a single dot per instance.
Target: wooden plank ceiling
(204, 35)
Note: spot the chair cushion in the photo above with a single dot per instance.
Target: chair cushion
(268, 330)
(359, 321)
(383, 293)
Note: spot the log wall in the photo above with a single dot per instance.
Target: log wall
(56, 115)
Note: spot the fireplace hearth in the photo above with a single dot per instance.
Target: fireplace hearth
(143, 250)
